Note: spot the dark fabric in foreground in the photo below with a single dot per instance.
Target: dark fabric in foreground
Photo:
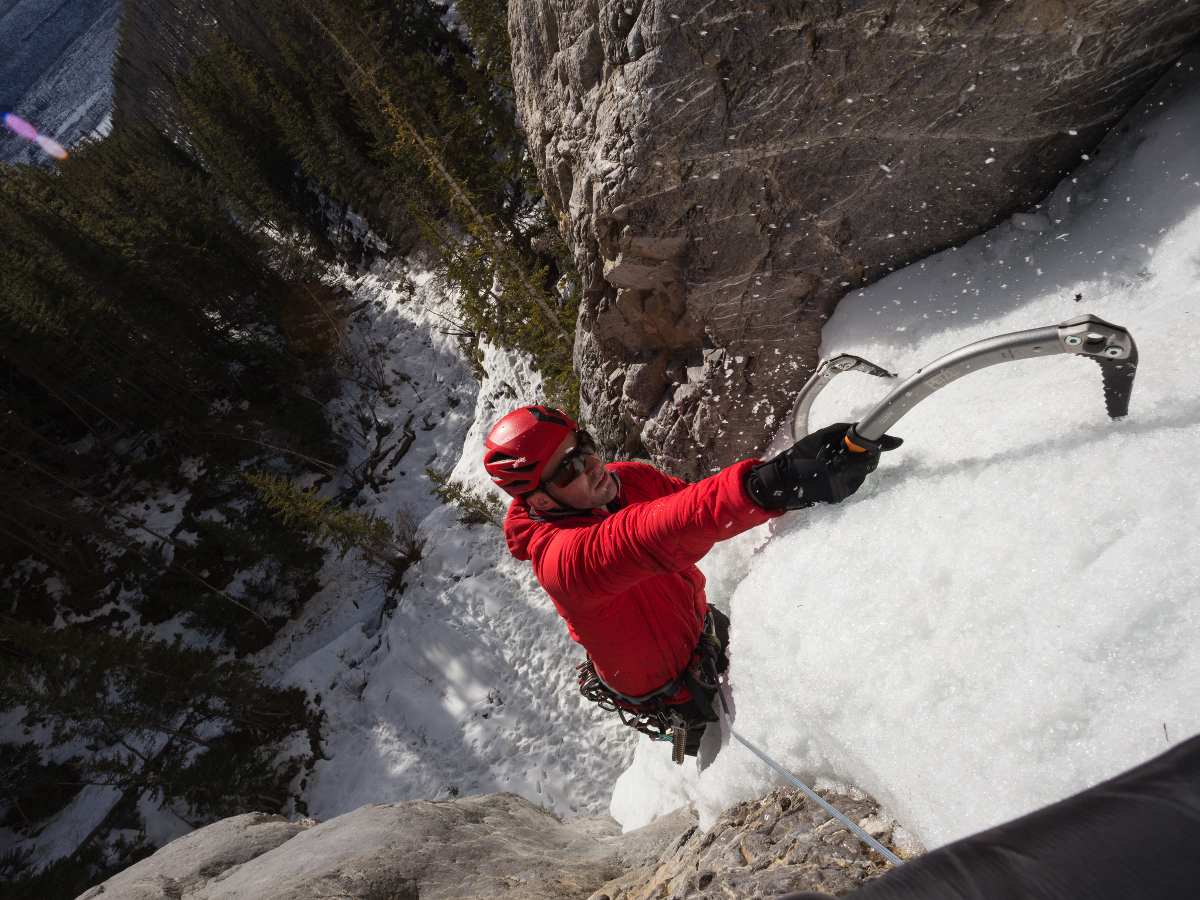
(1135, 836)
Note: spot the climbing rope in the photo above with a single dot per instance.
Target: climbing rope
(809, 792)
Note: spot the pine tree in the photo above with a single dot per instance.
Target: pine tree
(405, 119)
(375, 540)
(140, 284)
(168, 716)
(131, 302)
(30, 789)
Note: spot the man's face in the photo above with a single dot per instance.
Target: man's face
(594, 487)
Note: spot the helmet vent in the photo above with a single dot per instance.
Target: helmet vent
(544, 415)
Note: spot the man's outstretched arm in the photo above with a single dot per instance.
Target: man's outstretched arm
(587, 566)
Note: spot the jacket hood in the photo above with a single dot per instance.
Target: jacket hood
(518, 529)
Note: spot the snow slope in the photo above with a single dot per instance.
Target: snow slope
(465, 682)
(468, 685)
(1009, 610)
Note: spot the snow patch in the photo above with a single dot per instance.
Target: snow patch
(468, 684)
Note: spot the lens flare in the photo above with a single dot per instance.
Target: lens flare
(20, 126)
(27, 131)
(51, 146)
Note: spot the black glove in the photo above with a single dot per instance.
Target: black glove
(810, 447)
(851, 459)
(819, 468)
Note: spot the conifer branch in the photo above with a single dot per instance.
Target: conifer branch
(503, 253)
(477, 507)
(137, 524)
(345, 529)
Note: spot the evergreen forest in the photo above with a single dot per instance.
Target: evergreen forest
(143, 282)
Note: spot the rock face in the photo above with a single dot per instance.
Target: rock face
(778, 844)
(487, 846)
(725, 173)
(186, 866)
(501, 845)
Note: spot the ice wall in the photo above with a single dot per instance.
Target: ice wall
(1009, 610)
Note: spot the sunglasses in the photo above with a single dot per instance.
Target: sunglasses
(573, 463)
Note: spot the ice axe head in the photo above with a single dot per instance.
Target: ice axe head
(1113, 349)
(1110, 345)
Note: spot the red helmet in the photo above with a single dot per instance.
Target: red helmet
(521, 444)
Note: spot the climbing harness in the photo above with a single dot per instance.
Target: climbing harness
(810, 793)
(653, 714)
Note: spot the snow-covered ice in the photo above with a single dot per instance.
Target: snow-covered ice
(1008, 611)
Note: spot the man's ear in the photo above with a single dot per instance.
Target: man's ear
(540, 500)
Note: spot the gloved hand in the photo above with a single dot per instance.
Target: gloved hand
(850, 459)
(819, 468)
(810, 447)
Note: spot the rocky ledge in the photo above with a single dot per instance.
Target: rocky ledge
(500, 845)
(778, 844)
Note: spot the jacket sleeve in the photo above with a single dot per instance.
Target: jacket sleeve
(664, 484)
(587, 566)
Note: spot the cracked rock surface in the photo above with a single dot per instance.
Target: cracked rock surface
(769, 847)
(186, 866)
(726, 172)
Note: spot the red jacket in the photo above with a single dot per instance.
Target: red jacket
(626, 580)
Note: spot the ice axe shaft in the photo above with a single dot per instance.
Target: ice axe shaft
(1109, 345)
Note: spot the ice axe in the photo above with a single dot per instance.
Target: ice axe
(1111, 346)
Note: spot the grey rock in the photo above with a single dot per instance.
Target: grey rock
(780, 843)
(188, 864)
(486, 846)
(502, 845)
(602, 828)
(726, 173)
(646, 846)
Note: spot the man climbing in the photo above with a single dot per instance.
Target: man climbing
(616, 546)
